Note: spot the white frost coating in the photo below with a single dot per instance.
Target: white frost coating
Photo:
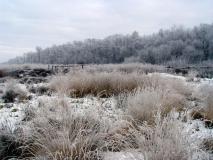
(105, 108)
(206, 81)
(169, 75)
(128, 155)
(12, 116)
(22, 87)
(197, 131)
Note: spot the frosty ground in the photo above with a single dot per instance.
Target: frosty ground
(107, 114)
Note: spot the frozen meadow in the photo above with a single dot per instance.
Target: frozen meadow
(96, 114)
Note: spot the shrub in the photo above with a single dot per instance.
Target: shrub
(9, 96)
(13, 91)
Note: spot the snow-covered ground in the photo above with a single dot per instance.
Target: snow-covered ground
(106, 108)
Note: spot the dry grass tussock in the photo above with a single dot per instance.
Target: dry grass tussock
(104, 84)
(126, 68)
(142, 105)
(58, 133)
(165, 140)
(12, 143)
(209, 104)
(204, 94)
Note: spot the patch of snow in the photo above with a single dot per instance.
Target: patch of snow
(170, 76)
(206, 81)
(197, 131)
(11, 117)
(128, 155)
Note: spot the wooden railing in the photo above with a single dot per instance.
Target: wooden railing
(57, 68)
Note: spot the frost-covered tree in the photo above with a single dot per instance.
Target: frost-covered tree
(176, 44)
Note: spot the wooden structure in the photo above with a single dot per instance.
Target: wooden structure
(64, 68)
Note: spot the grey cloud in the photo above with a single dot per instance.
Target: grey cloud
(25, 24)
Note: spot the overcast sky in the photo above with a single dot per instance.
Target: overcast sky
(25, 24)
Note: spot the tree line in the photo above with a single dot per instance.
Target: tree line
(188, 46)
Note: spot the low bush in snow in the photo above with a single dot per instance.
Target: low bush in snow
(13, 91)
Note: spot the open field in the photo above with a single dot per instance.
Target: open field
(105, 112)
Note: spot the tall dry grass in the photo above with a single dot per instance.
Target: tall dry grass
(98, 84)
(204, 96)
(144, 104)
(166, 140)
(126, 68)
(58, 132)
(106, 84)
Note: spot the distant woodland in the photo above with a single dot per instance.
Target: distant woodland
(176, 45)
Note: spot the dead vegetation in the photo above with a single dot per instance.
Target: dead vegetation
(106, 84)
(56, 132)
(98, 84)
(144, 104)
(151, 123)
(165, 140)
(126, 68)
(204, 94)
(14, 91)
